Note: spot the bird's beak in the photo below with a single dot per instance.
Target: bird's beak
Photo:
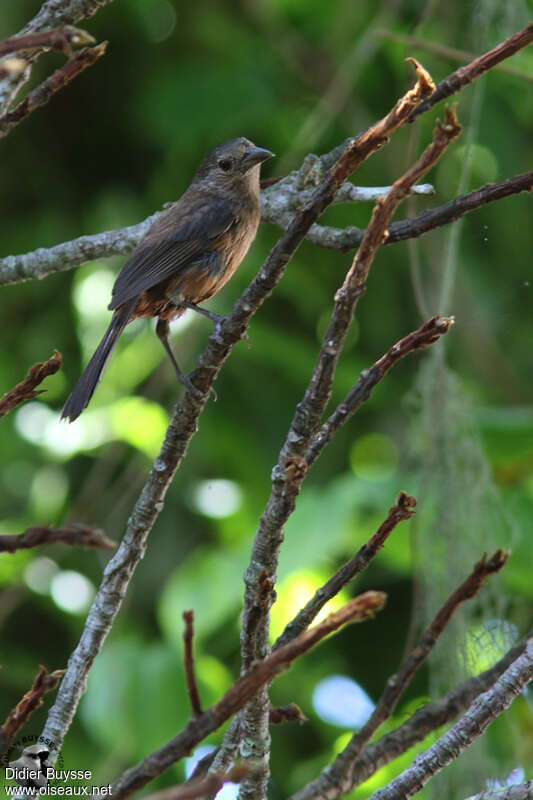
(256, 155)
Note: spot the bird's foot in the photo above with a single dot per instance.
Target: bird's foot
(216, 319)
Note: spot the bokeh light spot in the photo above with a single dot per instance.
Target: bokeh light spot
(71, 591)
(158, 18)
(39, 573)
(217, 498)
(339, 700)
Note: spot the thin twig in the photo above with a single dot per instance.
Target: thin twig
(517, 791)
(426, 335)
(199, 787)
(359, 609)
(32, 700)
(479, 716)
(192, 686)
(450, 52)
(62, 39)
(403, 509)
(479, 66)
(26, 389)
(74, 535)
(336, 778)
(58, 80)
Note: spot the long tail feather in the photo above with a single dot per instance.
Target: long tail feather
(84, 389)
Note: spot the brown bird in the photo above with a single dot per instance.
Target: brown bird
(186, 257)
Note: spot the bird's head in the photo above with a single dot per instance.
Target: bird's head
(233, 164)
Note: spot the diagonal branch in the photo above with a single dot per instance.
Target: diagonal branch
(44, 682)
(26, 389)
(469, 73)
(58, 80)
(359, 609)
(62, 39)
(425, 336)
(192, 686)
(403, 509)
(74, 535)
(485, 709)
(337, 779)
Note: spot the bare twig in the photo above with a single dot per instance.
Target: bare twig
(479, 716)
(43, 682)
(26, 390)
(42, 94)
(192, 687)
(450, 52)
(62, 39)
(74, 535)
(403, 509)
(470, 72)
(426, 335)
(359, 609)
(517, 791)
(12, 68)
(290, 713)
(347, 239)
(199, 787)
(336, 779)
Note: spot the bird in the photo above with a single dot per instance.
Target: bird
(187, 255)
(30, 769)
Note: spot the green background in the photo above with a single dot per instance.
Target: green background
(122, 139)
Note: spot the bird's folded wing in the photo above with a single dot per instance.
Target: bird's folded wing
(180, 236)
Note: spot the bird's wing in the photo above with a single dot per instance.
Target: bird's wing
(177, 238)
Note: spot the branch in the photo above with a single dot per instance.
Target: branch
(426, 335)
(483, 711)
(336, 779)
(519, 791)
(347, 239)
(42, 262)
(469, 73)
(192, 687)
(403, 509)
(290, 471)
(32, 700)
(26, 389)
(74, 535)
(199, 787)
(62, 39)
(449, 52)
(42, 94)
(359, 609)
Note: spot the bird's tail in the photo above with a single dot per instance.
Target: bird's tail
(84, 389)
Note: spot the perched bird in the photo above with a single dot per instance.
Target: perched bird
(186, 256)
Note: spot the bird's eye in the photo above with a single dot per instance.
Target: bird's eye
(225, 164)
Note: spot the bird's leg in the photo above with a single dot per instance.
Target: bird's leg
(162, 331)
(216, 319)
